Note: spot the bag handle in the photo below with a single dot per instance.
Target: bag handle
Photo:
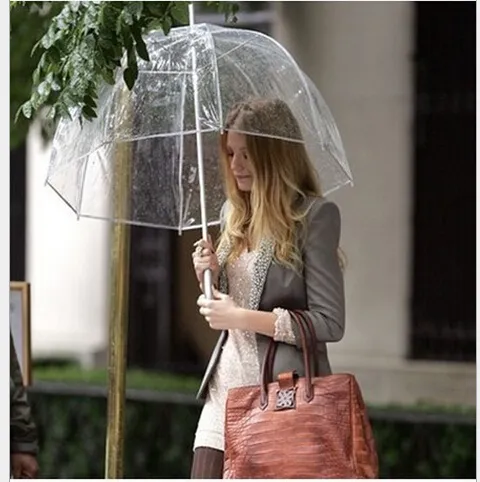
(267, 366)
(308, 324)
(312, 339)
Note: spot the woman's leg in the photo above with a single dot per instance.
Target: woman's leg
(207, 464)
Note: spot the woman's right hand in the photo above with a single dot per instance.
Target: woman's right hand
(204, 257)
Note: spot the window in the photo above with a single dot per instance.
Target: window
(443, 324)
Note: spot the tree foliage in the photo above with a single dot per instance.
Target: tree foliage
(27, 25)
(82, 45)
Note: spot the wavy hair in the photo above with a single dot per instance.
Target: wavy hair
(283, 177)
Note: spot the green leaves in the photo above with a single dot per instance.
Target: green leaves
(27, 109)
(88, 112)
(27, 26)
(134, 9)
(87, 42)
(130, 76)
(140, 46)
(179, 12)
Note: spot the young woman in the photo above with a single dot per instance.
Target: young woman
(278, 251)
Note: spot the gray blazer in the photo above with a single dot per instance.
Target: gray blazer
(319, 291)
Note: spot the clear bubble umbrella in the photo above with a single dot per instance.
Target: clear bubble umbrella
(171, 121)
(151, 157)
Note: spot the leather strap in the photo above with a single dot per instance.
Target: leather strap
(267, 366)
(307, 356)
(267, 369)
(312, 338)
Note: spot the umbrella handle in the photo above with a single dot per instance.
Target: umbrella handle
(207, 284)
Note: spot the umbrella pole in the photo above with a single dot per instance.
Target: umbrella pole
(118, 321)
(207, 275)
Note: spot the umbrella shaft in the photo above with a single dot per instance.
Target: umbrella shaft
(207, 276)
(207, 284)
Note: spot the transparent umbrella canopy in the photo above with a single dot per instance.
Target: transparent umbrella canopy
(171, 120)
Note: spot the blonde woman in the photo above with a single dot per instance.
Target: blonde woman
(278, 251)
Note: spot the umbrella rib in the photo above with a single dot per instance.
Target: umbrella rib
(305, 85)
(215, 68)
(82, 186)
(166, 72)
(167, 134)
(135, 223)
(62, 197)
(299, 72)
(232, 50)
(180, 156)
(280, 138)
(143, 138)
(169, 45)
(225, 53)
(245, 76)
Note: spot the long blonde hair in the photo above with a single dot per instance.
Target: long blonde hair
(283, 177)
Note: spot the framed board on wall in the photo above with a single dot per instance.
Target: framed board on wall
(20, 326)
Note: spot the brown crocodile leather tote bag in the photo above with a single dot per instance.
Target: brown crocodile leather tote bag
(299, 428)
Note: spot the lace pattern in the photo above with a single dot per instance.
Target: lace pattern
(283, 327)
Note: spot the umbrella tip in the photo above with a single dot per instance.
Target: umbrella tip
(191, 13)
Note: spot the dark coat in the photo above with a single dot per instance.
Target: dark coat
(23, 432)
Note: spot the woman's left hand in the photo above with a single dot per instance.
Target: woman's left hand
(221, 313)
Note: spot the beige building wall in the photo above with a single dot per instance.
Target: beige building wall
(359, 54)
(68, 266)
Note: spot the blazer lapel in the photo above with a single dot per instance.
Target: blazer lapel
(261, 266)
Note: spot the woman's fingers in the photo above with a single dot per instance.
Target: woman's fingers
(219, 295)
(205, 311)
(204, 263)
(202, 253)
(204, 302)
(205, 307)
(204, 258)
(202, 244)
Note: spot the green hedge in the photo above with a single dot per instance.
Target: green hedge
(140, 379)
(159, 434)
(158, 438)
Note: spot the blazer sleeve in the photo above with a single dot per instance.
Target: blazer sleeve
(323, 274)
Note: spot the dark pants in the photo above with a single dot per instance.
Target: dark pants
(207, 464)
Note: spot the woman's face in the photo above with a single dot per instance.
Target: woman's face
(239, 160)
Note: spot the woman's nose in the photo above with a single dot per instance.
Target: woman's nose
(235, 164)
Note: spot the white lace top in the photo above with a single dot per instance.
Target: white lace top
(238, 364)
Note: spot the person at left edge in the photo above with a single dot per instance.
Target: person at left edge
(23, 431)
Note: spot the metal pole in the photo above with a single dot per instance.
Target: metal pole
(118, 321)
(207, 276)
